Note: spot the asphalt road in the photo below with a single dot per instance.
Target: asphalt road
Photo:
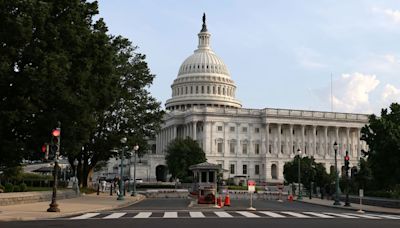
(153, 213)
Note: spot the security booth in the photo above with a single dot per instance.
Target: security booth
(205, 182)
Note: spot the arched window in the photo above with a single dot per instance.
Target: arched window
(274, 171)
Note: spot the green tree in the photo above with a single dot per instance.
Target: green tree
(57, 63)
(310, 171)
(182, 153)
(382, 135)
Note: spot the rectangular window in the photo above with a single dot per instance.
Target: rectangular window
(232, 129)
(244, 169)
(232, 168)
(281, 148)
(257, 169)
(257, 148)
(211, 177)
(219, 147)
(244, 148)
(244, 129)
(203, 177)
(270, 148)
(232, 148)
(219, 128)
(257, 130)
(269, 131)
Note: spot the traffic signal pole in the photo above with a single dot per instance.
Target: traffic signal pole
(56, 133)
(346, 166)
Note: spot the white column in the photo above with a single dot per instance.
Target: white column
(314, 151)
(358, 133)
(267, 139)
(194, 130)
(238, 139)
(279, 138)
(326, 141)
(211, 137)
(291, 139)
(303, 141)
(348, 141)
(175, 133)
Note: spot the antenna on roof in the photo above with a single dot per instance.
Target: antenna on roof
(331, 94)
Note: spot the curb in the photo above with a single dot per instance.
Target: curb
(349, 208)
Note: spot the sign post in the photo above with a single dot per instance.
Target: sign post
(251, 187)
(361, 193)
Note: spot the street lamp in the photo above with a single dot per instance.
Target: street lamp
(76, 184)
(135, 149)
(299, 197)
(337, 202)
(121, 181)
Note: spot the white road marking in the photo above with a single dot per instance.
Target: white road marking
(247, 214)
(143, 215)
(318, 215)
(363, 216)
(272, 214)
(340, 215)
(196, 214)
(114, 215)
(298, 215)
(170, 215)
(222, 214)
(387, 216)
(86, 216)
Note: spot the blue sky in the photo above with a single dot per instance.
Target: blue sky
(281, 54)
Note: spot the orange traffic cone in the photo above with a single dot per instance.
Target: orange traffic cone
(227, 200)
(219, 201)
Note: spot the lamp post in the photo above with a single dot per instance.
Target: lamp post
(337, 202)
(76, 184)
(121, 181)
(135, 149)
(299, 197)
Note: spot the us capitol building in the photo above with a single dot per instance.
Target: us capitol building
(251, 143)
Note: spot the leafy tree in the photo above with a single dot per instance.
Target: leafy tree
(363, 177)
(310, 171)
(182, 153)
(59, 64)
(383, 138)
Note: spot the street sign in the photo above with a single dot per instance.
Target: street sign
(251, 186)
(361, 191)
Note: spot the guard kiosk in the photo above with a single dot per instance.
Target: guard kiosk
(205, 182)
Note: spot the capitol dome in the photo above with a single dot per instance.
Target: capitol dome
(203, 80)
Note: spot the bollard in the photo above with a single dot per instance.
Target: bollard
(111, 188)
(98, 188)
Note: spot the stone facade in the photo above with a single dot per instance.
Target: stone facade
(254, 143)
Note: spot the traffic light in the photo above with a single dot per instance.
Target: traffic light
(45, 150)
(55, 141)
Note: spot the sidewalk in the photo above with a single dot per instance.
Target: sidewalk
(82, 204)
(353, 206)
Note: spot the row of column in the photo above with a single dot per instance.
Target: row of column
(312, 149)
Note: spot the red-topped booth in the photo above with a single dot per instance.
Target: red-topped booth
(205, 181)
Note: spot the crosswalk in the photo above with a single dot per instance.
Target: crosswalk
(232, 214)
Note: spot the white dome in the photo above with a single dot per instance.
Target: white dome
(203, 80)
(203, 62)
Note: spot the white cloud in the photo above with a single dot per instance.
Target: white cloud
(390, 94)
(351, 92)
(394, 15)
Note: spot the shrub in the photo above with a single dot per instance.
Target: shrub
(8, 187)
(22, 187)
(16, 188)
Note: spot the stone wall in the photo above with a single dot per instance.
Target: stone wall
(33, 197)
